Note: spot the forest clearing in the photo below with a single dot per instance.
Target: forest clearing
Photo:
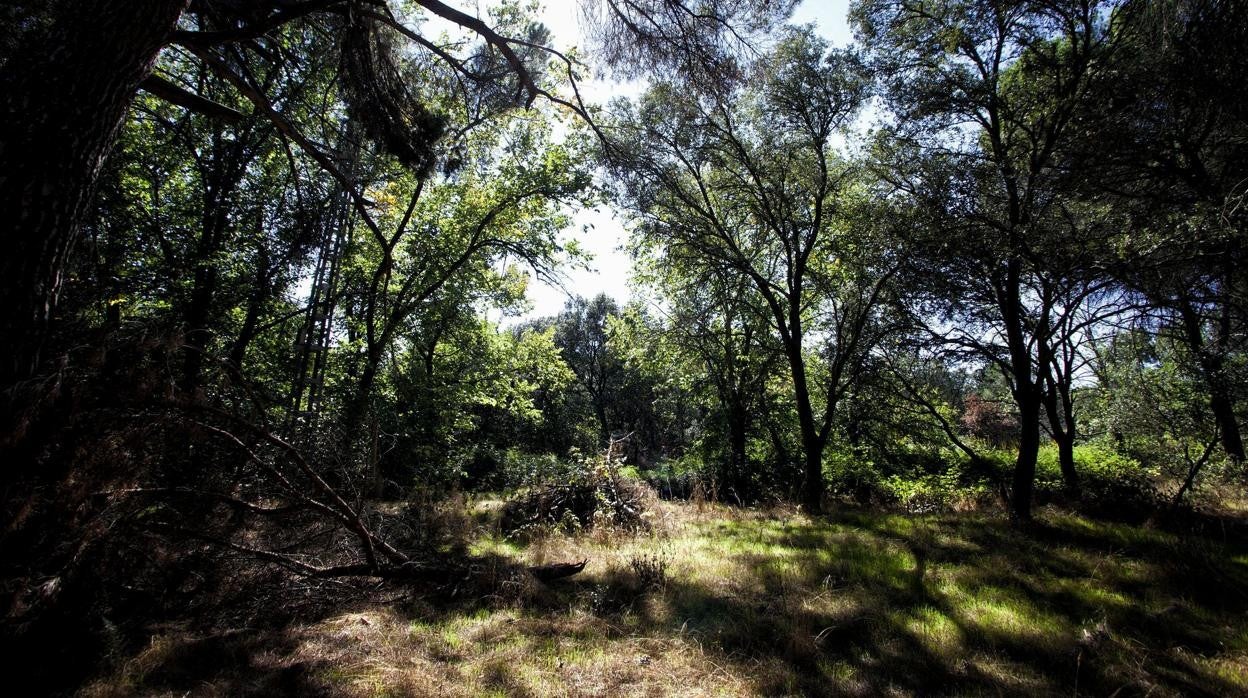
(715, 600)
(624, 347)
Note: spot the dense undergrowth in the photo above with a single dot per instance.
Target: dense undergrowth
(714, 600)
(1110, 483)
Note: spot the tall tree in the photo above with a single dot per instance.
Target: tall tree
(985, 94)
(61, 108)
(582, 334)
(1168, 136)
(751, 182)
(715, 323)
(64, 92)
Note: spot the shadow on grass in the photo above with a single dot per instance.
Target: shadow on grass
(966, 605)
(859, 603)
(237, 663)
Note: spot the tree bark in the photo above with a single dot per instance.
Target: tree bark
(1213, 370)
(812, 445)
(63, 97)
(199, 309)
(223, 169)
(1062, 424)
(600, 413)
(1023, 486)
(812, 492)
(736, 476)
(1026, 389)
(255, 306)
(1066, 459)
(1224, 414)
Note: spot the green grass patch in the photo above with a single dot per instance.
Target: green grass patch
(763, 602)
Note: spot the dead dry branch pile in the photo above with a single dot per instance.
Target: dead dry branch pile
(598, 496)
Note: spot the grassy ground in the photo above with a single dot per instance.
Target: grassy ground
(718, 601)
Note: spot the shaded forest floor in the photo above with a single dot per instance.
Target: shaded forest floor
(721, 601)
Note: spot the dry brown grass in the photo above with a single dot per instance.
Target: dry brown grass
(770, 602)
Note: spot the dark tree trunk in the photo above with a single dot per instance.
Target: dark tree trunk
(1224, 413)
(1062, 424)
(63, 97)
(223, 172)
(737, 477)
(359, 411)
(196, 319)
(812, 491)
(1066, 450)
(1213, 370)
(1023, 486)
(777, 444)
(255, 306)
(1066, 459)
(1027, 391)
(600, 413)
(364, 391)
(812, 445)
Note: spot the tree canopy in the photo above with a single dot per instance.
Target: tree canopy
(266, 270)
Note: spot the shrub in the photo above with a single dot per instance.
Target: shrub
(1110, 483)
(850, 475)
(651, 570)
(596, 493)
(924, 481)
(955, 488)
(679, 478)
(989, 420)
(520, 468)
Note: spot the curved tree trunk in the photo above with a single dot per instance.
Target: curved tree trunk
(261, 291)
(1062, 424)
(63, 97)
(1066, 459)
(1228, 427)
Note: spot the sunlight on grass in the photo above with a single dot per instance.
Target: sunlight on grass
(1088, 593)
(1007, 614)
(938, 634)
(767, 602)
(1231, 669)
(496, 545)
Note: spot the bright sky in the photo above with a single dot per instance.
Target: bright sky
(604, 234)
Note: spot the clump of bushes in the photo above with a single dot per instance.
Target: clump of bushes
(682, 486)
(595, 494)
(850, 475)
(1110, 483)
(924, 493)
(695, 476)
(625, 585)
(919, 481)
